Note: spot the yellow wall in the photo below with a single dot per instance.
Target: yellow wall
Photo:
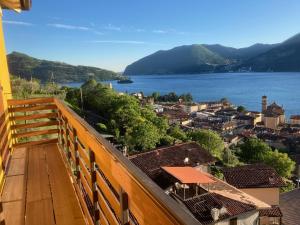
(267, 195)
(4, 85)
(4, 74)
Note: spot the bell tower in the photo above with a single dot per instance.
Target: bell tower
(264, 102)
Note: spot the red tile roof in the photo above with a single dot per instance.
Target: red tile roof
(151, 162)
(253, 176)
(274, 211)
(188, 175)
(290, 207)
(202, 205)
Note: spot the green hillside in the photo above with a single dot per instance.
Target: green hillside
(26, 67)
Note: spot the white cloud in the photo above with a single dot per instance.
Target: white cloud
(160, 31)
(119, 42)
(68, 27)
(20, 23)
(111, 27)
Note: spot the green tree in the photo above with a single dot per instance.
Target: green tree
(142, 136)
(241, 109)
(209, 140)
(280, 162)
(155, 95)
(253, 150)
(229, 158)
(257, 151)
(177, 133)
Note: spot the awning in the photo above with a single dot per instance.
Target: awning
(188, 175)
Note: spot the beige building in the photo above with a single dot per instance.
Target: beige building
(261, 182)
(295, 119)
(273, 115)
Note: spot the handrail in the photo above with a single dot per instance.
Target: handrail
(110, 188)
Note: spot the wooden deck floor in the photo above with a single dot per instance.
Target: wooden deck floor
(38, 189)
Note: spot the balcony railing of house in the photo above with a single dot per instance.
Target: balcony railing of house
(109, 188)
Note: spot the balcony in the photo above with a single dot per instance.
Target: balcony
(58, 170)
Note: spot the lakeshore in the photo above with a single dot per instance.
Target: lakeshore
(240, 88)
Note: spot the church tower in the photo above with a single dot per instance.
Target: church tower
(264, 103)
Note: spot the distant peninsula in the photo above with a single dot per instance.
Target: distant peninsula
(203, 58)
(28, 67)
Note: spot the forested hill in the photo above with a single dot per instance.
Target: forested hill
(182, 59)
(26, 67)
(281, 57)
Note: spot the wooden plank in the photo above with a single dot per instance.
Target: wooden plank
(38, 186)
(86, 187)
(106, 210)
(13, 188)
(83, 155)
(35, 125)
(19, 153)
(84, 172)
(103, 220)
(32, 143)
(34, 116)
(35, 133)
(66, 208)
(32, 108)
(115, 204)
(16, 167)
(14, 213)
(12, 102)
(40, 212)
(84, 206)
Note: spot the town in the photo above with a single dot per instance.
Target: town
(191, 166)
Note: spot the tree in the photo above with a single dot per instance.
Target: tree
(209, 140)
(281, 162)
(177, 133)
(155, 95)
(257, 151)
(241, 109)
(253, 150)
(229, 158)
(142, 136)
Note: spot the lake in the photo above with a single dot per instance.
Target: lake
(240, 88)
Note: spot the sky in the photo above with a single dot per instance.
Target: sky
(112, 34)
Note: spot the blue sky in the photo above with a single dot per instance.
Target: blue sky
(113, 33)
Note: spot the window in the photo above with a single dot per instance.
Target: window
(233, 221)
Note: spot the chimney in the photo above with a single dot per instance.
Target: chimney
(215, 213)
(264, 103)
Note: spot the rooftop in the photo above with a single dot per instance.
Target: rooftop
(188, 175)
(202, 206)
(290, 207)
(253, 176)
(173, 156)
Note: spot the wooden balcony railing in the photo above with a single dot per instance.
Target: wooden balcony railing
(110, 188)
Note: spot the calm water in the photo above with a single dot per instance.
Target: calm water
(240, 88)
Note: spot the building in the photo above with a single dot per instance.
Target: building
(191, 108)
(290, 207)
(185, 154)
(273, 115)
(175, 115)
(295, 120)
(261, 182)
(210, 200)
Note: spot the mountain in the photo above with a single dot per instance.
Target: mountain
(26, 67)
(196, 59)
(182, 59)
(282, 58)
(239, 54)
